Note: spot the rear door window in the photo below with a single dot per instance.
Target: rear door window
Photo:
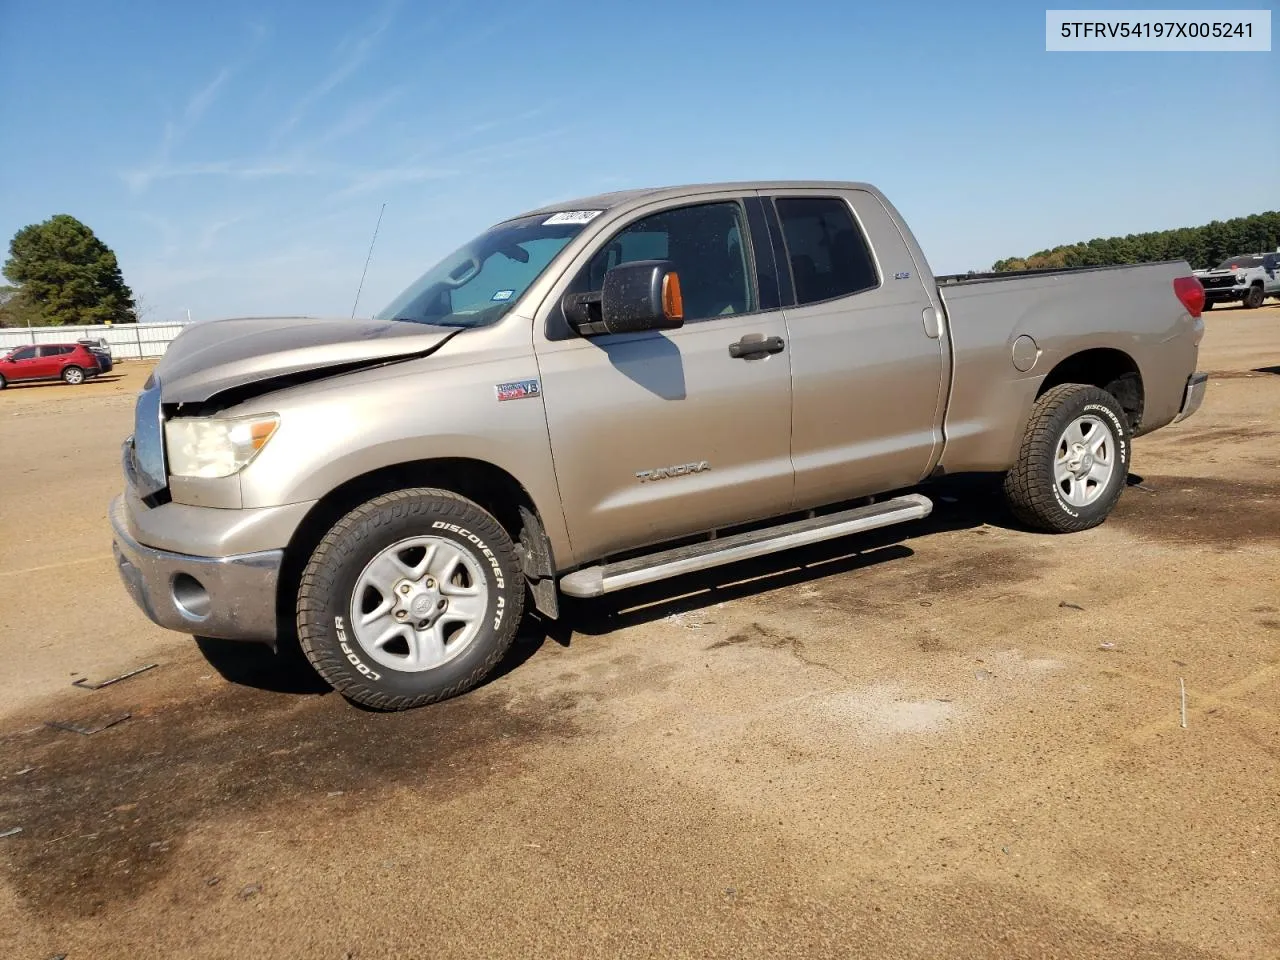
(828, 254)
(54, 351)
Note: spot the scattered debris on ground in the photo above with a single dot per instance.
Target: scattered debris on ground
(86, 729)
(86, 685)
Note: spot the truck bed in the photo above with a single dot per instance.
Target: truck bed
(955, 279)
(1131, 310)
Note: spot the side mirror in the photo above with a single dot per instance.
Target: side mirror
(638, 296)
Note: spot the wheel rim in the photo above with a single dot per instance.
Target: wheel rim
(1084, 461)
(74, 376)
(419, 604)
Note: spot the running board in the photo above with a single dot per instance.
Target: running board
(606, 578)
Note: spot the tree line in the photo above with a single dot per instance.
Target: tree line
(63, 275)
(1202, 247)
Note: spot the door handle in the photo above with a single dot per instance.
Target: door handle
(745, 349)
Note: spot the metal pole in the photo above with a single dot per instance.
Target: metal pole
(367, 259)
(137, 335)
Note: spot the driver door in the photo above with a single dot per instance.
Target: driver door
(663, 434)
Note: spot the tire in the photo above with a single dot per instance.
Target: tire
(1253, 299)
(1033, 488)
(3, 382)
(342, 584)
(1208, 305)
(73, 375)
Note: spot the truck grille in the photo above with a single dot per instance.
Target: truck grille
(1218, 283)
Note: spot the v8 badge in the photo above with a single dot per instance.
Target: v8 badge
(517, 390)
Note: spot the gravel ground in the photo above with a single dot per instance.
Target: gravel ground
(949, 739)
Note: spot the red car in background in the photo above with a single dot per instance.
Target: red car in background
(72, 363)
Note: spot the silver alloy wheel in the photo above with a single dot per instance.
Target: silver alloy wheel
(74, 376)
(419, 603)
(1084, 460)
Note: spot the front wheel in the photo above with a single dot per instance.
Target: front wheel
(1073, 462)
(1253, 299)
(73, 375)
(3, 382)
(1208, 305)
(410, 598)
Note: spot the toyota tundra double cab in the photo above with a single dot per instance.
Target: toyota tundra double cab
(613, 391)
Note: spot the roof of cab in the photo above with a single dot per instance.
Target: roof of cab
(618, 198)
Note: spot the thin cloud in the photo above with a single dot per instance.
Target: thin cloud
(357, 49)
(356, 118)
(202, 99)
(365, 181)
(197, 104)
(139, 180)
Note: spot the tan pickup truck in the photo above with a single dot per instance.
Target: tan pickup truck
(605, 393)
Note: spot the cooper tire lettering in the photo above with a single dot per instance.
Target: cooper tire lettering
(351, 654)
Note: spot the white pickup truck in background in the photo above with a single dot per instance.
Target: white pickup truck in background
(1248, 279)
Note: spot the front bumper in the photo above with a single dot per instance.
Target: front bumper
(1227, 295)
(230, 598)
(1192, 396)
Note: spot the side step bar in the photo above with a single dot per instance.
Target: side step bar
(606, 578)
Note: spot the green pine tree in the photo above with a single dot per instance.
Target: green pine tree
(67, 275)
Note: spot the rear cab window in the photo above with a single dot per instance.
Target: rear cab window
(826, 250)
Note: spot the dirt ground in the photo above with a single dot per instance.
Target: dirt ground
(954, 739)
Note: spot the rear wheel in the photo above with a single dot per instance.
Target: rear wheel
(1074, 460)
(411, 598)
(1253, 299)
(1208, 305)
(73, 375)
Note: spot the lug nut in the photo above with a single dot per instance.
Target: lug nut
(400, 614)
(404, 588)
(431, 584)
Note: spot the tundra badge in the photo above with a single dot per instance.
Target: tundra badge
(680, 470)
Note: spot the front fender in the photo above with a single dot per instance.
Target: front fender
(334, 431)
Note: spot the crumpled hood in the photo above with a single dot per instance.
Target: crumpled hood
(214, 356)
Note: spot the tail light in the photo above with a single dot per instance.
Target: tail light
(1191, 292)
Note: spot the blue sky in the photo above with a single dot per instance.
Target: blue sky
(235, 155)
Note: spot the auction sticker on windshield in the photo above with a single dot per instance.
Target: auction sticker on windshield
(572, 216)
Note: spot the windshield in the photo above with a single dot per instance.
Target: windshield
(478, 283)
(1251, 261)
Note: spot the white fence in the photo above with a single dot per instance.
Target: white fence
(129, 341)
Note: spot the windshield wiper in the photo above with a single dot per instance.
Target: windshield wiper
(429, 323)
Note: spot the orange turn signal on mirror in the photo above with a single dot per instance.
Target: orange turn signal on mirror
(672, 299)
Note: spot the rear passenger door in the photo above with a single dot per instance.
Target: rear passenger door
(866, 359)
(51, 360)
